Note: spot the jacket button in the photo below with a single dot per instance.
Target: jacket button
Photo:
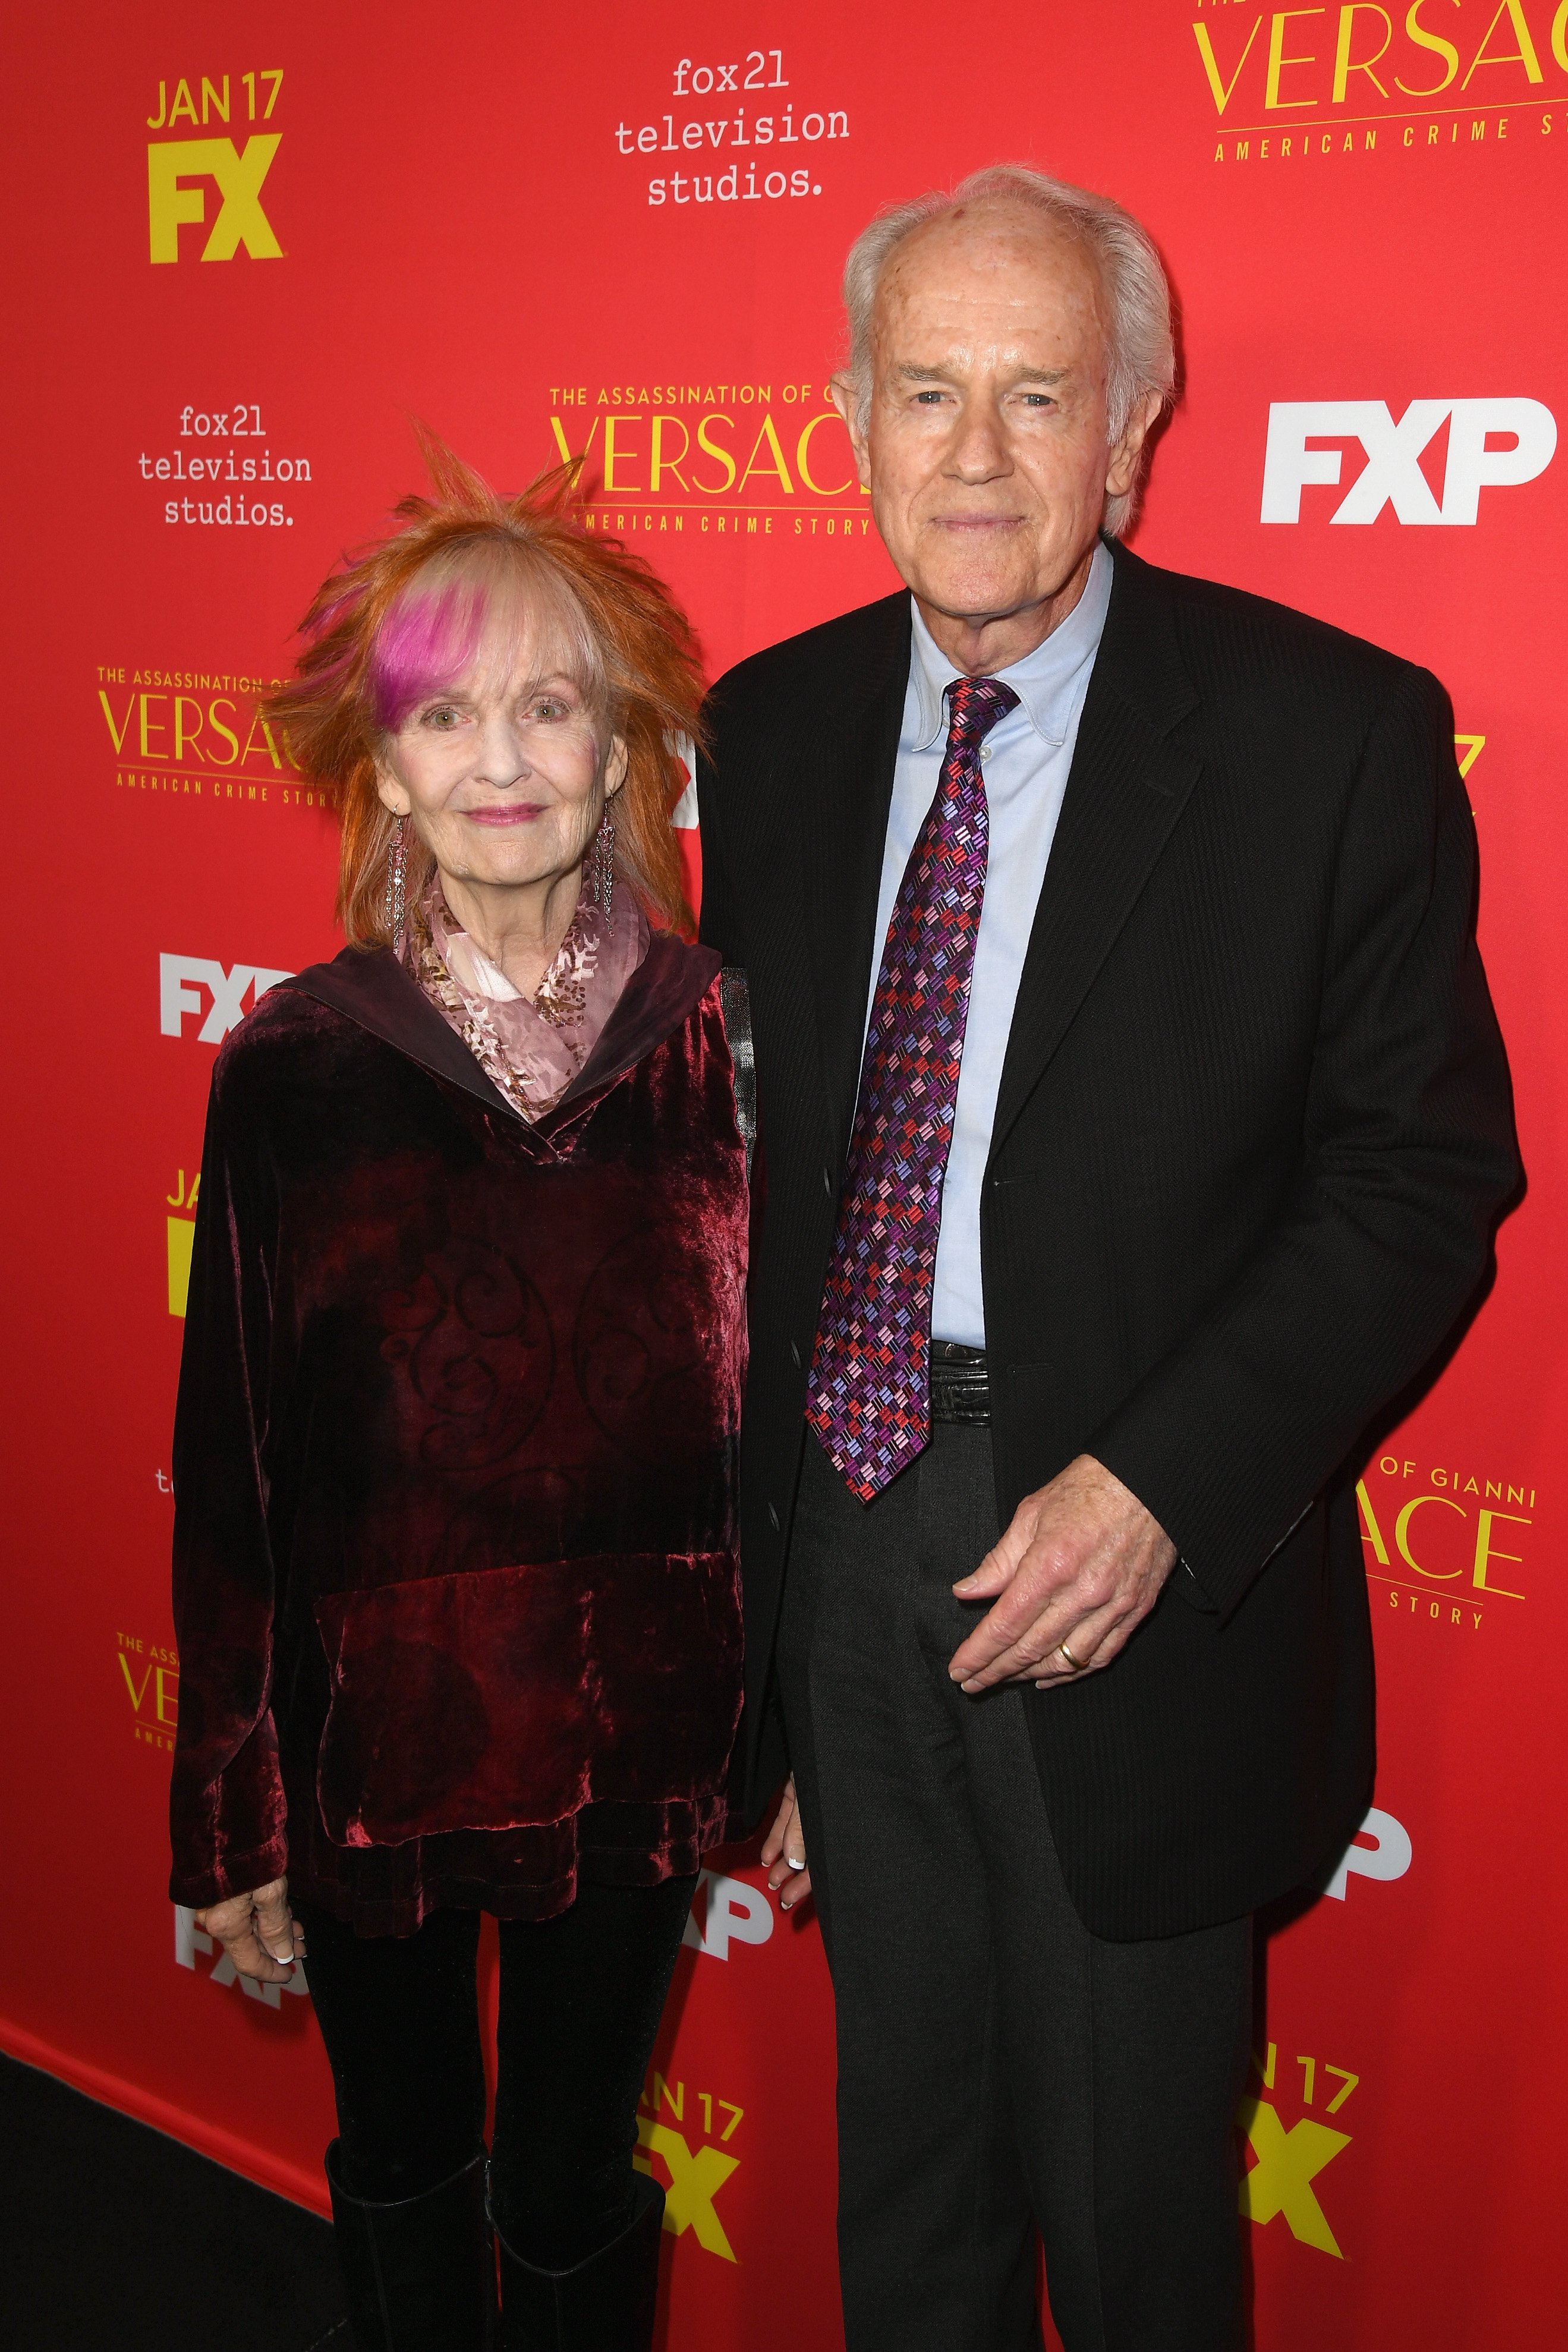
(795, 1355)
(773, 1515)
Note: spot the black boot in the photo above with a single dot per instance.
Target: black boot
(420, 2272)
(604, 2304)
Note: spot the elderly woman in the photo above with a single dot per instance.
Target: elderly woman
(454, 1571)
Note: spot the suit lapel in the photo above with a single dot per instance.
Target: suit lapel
(843, 814)
(1126, 789)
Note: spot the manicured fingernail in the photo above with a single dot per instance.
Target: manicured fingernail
(784, 1905)
(793, 1864)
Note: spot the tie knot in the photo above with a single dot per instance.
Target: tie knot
(975, 704)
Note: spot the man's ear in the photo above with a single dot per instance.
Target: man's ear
(842, 392)
(1125, 458)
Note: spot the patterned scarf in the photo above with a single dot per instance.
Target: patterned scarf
(532, 1048)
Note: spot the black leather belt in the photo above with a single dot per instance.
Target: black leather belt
(959, 1383)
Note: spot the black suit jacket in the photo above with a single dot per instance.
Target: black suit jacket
(1254, 1127)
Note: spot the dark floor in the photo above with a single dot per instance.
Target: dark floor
(113, 2238)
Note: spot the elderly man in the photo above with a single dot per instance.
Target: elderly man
(1132, 1118)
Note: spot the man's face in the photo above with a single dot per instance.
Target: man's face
(986, 451)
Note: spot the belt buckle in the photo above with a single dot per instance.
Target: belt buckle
(960, 1384)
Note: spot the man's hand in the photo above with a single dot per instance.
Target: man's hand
(784, 1853)
(1081, 1563)
(258, 1931)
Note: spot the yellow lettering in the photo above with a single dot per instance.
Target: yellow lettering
(1288, 2163)
(803, 447)
(612, 452)
(1223, 91)
(116, 735)
(568, 457)
(1439, 47)
(136, 1696)
(181, 1233)
(257, 721)
(167, 203)
(1402, 1532)
(694, 2181)
(1369, 1521)
(657, 463)
(1523, 56)
(183, 737)
(229, 737)
(778, 469)
(242, 221)
(1278, 61)
(240, 175)
(151, 726)
(1485, 1554)
(1344, 64)
(716, 449)
(1347, 2080)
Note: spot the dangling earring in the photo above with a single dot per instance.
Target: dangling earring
(396, 873)
(602, 863)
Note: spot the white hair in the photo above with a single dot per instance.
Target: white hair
(1141, 355)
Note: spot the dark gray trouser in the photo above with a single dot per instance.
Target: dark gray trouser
(1000, 2070)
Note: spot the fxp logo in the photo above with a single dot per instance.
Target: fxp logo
(188, 984)
(1492, 445)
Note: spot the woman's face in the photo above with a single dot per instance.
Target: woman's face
(504, 775)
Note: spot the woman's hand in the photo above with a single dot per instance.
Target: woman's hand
(258, 1931)
(784, 1852)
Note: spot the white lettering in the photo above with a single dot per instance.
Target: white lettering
(1388, 1855)
(180, 978)
(1472, 466)
(738, 1913)
(1392, 475)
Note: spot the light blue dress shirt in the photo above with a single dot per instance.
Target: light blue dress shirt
(1026, 758)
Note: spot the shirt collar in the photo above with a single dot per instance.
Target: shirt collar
(1047, 682)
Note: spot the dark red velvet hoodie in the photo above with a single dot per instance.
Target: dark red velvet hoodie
(455, 1573)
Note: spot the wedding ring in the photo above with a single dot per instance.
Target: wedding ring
(1075, 1665)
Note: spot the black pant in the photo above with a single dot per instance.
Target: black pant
(580, 1999)
(1000, 2069)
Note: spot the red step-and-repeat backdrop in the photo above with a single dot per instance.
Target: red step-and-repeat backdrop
(248, 246)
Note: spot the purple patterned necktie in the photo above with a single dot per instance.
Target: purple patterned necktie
(869, 1398)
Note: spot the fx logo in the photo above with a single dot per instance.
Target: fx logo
(1392, 475)
(695, 2179)
(180, 978)
(1288, 2164)
(239, 172)
(738, 1913)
